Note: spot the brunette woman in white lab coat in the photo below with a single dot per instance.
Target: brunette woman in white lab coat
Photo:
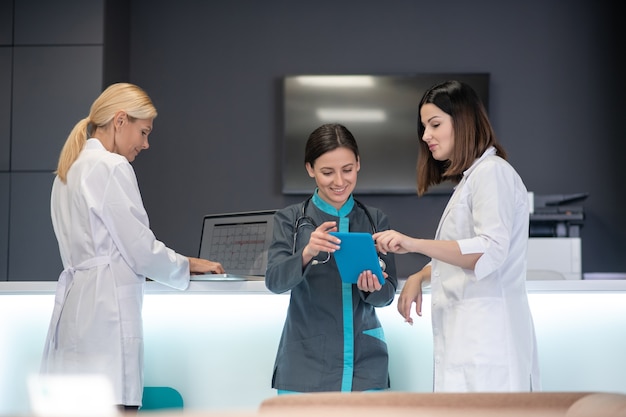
(483, 332)
(107, 247)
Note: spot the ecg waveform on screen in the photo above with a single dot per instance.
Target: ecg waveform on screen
(239, 247)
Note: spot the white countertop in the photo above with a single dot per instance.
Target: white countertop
(258, 287)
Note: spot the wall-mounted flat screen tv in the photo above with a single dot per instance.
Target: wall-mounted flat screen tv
(379, 110)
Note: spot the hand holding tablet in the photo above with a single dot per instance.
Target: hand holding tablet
(356, 254)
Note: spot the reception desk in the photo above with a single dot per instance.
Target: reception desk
(216, 342)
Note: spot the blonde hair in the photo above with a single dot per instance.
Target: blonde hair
(121, 96)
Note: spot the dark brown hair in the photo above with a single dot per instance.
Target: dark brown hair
(327, 138)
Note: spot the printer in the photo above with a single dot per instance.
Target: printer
(557, 215)
(554, 245)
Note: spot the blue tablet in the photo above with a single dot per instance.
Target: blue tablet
(356, 254)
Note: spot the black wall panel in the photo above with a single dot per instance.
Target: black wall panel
(34, 254)
(51, 70)
(53, 88)
(59, 22)
(4, 225)
(5, 107)
(6, 22)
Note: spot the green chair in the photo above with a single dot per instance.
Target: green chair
(161, 398)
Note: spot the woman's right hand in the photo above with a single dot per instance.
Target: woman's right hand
(391, 241)
(321, 241)
(204, 266)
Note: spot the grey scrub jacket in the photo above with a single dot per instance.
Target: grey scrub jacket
(332, 339)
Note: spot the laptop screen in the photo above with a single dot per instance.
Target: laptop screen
(239, 241)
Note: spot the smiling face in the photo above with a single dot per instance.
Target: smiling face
(335, 174)
(438, 131)
(131, 135)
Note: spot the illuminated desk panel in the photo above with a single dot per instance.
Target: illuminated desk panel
(216, 341)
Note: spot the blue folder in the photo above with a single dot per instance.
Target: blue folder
(356, 254)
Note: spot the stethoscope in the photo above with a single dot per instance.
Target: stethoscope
(305, 220)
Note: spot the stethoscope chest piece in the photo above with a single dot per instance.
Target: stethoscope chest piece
(382, 264)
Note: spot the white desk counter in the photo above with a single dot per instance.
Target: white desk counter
(258, 287)
(216, 342)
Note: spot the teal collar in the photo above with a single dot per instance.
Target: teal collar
(329, 209)
(342, 213)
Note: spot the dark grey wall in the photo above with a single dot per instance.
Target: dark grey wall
(214, 71)
(50, 71)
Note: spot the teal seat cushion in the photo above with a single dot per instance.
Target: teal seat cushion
(160, 398)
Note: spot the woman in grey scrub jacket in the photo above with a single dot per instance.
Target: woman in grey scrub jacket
(332, 339)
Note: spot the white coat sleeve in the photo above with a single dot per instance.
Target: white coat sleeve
(492, 201)
(127, 221)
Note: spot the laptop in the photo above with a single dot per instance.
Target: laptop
(239, 241)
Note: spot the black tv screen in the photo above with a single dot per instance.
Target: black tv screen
(381, 112)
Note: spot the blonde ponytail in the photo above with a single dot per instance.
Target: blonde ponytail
(73, 145)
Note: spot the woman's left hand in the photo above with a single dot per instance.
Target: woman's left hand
(368, 282)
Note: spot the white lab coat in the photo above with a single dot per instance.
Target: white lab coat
(483, 332)
(107, 250)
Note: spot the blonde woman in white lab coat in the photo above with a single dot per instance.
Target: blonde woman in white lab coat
(483, 332)
(107, 247)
